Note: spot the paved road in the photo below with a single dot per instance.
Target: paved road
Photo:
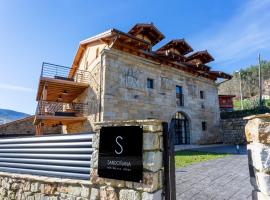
(219, 179)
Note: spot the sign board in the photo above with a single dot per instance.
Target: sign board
(120, 153)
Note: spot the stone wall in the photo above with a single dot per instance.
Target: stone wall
(152, 184)
(258, 136)
(28, 187)
(23, 127)
(127, 97)
(233, 130)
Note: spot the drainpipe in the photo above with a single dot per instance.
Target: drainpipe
(100, 84)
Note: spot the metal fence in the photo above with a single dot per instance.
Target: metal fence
(61, 72)
(63, 156)
(61, 108)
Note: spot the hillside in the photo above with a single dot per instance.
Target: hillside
(10, 115)
(249, 80)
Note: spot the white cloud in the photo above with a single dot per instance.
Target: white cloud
(244, 35)
(15, 88)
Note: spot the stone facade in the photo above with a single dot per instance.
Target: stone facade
(126, 95)
(23, 127)
(118, 91)
(28, 187)
(233, 130)
(258, 135)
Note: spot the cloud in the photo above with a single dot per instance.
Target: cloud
(246, 34)
(15, 88)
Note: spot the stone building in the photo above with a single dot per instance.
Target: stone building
(119, 76)
(25, 127)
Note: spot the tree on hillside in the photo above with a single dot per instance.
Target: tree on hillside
(249, 81)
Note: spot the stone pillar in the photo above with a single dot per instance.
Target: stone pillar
(258, 137)
(152, 184)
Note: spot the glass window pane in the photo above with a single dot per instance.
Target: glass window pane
(178, 89)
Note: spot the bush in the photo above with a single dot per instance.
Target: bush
(244, 113)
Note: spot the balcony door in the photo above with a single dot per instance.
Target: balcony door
(180, 128)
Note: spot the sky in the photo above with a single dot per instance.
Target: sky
(32, 32)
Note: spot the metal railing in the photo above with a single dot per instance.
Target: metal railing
(64, 156)
(63, 73)
(61, 109)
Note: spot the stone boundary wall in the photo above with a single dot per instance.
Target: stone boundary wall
(258, 136)
(28, 187)
(233, 130)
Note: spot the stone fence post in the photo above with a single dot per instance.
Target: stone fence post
(258, 137)
(151, 186)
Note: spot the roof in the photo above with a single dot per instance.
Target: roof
(226, 95)
(220, 74)
(107, 37)
(133, 44)
(203, 56)
(180, 45)
(147, 30)
(171, 55)
(18, 120)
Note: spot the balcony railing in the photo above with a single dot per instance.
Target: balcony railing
(49, 108)
(63, 73)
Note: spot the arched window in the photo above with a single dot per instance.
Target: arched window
(180, 128)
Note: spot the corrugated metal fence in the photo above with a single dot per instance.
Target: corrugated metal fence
(66, 156)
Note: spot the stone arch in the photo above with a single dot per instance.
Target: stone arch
(180, 125)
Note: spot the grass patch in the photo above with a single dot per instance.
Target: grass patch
(188, 157)
(237, 104)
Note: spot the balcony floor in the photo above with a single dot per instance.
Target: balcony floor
(57, 87)
(52, 120)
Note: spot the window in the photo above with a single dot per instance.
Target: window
(150, 83)
(179, 96)
(202, 95)
(204, 126)
(202, 106)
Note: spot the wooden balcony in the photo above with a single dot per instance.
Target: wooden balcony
(60, 113)
(56, 83)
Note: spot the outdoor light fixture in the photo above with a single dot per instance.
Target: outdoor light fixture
(65, 92)
(59, 98)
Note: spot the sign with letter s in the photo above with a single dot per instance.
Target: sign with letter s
(121, 153)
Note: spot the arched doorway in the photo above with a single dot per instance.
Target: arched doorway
(180, 127)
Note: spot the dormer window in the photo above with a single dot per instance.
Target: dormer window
(147, 32)
(178, 47)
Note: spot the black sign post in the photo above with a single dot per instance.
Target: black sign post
(169, 164)
(121, 153)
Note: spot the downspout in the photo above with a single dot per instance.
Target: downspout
(100, 85)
